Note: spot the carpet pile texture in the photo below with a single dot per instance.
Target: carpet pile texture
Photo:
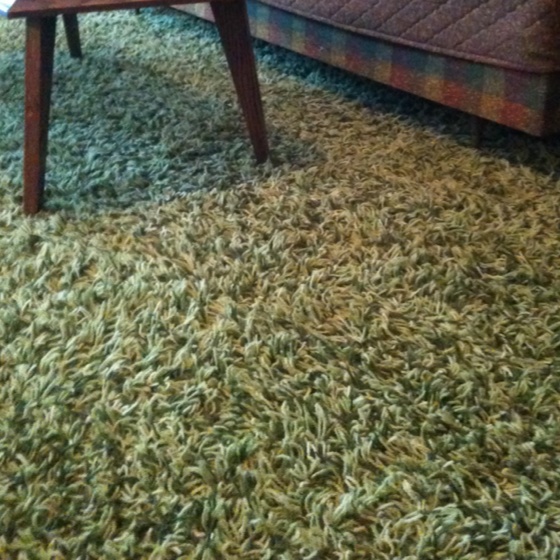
(350, 352)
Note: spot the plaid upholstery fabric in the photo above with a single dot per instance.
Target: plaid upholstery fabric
(521, 100)
(518, 34)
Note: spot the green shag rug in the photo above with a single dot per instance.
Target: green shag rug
(351, 352)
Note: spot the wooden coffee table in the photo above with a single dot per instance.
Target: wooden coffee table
(233, 27)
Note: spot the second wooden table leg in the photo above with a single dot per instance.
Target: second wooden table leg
(233, 27)
(39, 56)
(72, 35)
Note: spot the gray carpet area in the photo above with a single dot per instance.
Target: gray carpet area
(350, 352)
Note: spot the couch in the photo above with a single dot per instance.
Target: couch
(498, 60)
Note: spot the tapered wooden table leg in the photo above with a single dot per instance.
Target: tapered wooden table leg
(233, 26)
(38, 83)
(478, 125)
(72, 35)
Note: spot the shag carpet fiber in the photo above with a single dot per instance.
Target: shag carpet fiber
(350, 352)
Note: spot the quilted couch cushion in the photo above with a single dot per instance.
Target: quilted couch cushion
(520, 34)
